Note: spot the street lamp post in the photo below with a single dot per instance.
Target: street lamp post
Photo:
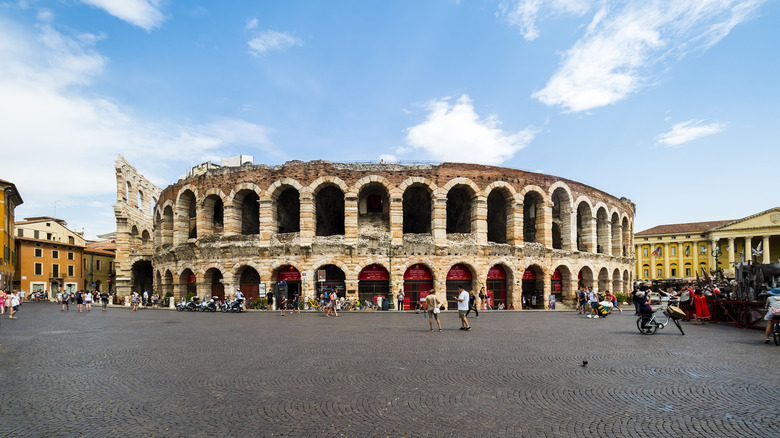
(716, 253)
(390, 254)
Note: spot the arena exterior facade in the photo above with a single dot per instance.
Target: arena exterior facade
(367, 230)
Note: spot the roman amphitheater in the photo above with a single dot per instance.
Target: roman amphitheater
(368, 230)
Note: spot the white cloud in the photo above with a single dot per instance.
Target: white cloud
(388, 158)
(145, 14)
(454, 132)
(686, 132)
(525, 13)
(251, 24)
(60, 139)
(272, 40)
(623, 43)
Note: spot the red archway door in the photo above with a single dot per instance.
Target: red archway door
(250, 284)
(496, 286)
(458, 276)
(556, 284)
(373, 281)
(418, 280)
(292, 278)
(530, 295)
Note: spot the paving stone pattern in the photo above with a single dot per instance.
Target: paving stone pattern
(164, 373)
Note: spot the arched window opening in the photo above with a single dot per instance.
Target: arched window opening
(533, 288)
(626, 236)
(167, 226)
(584, 219)
(249, 284)
(330, 211)
(497, 213)
(188, 284)
(561, 219)
(140, 200)
(557, 239)
(250, 213)
(617, 235)
(602, 231)
(215, 279)
(460, 202)
(288, 211)
(330, 278)
(417, 207)
(214, 212)
(373, 208)
(531, 209)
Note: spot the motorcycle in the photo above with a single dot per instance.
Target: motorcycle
(181, 305)
(234, 306)
(210, 306)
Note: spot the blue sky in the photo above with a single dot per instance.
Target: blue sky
(673, 104)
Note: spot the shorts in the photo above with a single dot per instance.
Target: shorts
(16, 308)
(461, 313)
(594, 305)
(433, 315)
(87, 301)
(64, 302)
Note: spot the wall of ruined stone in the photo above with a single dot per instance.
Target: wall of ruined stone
(136, 197)
(176, 253)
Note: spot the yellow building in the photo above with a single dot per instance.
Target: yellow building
(99, 270)
(9, 200)
(680, 251)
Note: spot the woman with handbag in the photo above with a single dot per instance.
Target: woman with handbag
(432, 305)
(772, 311)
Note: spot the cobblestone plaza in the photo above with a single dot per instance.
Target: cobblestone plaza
(164, 373)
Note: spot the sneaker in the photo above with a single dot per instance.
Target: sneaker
(766, 341)
(439, 329)
(467, 328)
(596, 317)
(590, 316)
(463, 328)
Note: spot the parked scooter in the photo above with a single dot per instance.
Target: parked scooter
(233, 306)
(181, 305)
(210, 305)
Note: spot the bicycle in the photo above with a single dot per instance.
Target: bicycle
(650, 326)
(775, 333)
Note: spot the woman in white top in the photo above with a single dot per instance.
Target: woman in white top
(772, 302)
(14, 304)
(88, 301)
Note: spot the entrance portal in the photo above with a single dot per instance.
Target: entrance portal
(496, 287)
(418, 281)
(373, 281)
(459, 276)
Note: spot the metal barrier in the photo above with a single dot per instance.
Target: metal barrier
(743, 314)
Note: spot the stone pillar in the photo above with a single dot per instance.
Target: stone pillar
(267, 223)
(710, 258)
(731, 251)
(479, 220)
(308, 221)
(396, 219)
(439, 228)
(748, 249)
(514, 224)
(544, 225)
(666, 260)
(680, 260)
(617, 241)
(765, 247)
(350, 218)
(231, 219)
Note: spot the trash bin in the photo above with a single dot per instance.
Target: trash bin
(385, 304)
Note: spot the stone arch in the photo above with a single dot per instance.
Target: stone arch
(603, 283)
(534, 281)
(585, 226)
(617, 234)
(500, 212)
(603, 233)
(418, 205)
(329, 209)
(626, 238)
(561, 216)
(168, 282)
(188, 282)
(213, 279)
(626, 282)
(585, 276)
(534, 219)
(567, 282)
(166, 233)
(512, 298)
(617, 284)
(373, 197)
(242, 209)
(212, 211)
(461, 195)
(285, 196)
(185, 224)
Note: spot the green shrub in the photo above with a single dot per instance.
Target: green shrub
(621, 297)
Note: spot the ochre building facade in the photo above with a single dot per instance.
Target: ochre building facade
(368, 230)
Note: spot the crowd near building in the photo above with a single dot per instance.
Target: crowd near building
(681, 251)
(368, 230)
(53, 258)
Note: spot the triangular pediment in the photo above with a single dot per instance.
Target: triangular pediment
(766, 219)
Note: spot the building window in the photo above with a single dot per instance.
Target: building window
(39, 269)
(644, 252)
(55, 254)
(36, 234)
(70, 240)
(97, 264)
(660, 273)
(687, 272)
(673, 251)
(703, 249)
(645, 273)
(48, 236)
(20, 232)
(70, 255)
(674, 272)
(55, 270)
(70, 270)
(38, 252)
(110, 266)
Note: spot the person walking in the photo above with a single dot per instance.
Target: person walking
(146, 298)
(613, 299)
(296, 304)
(65, 296)
(104, 299)
(14, 305)
(593, 300)
(463, 307)
(432, 304)
(551, 302)
(582, 300)
(79, 301)
(88, 301)
(472, 305)
(333, 298)
(2, 301)
(401, 299)
(282, 305)
(636, 304)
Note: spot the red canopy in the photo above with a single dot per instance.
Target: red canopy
(374, 272)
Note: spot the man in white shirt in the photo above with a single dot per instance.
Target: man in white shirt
(239, 295)
(463, 307)
(593, 300)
